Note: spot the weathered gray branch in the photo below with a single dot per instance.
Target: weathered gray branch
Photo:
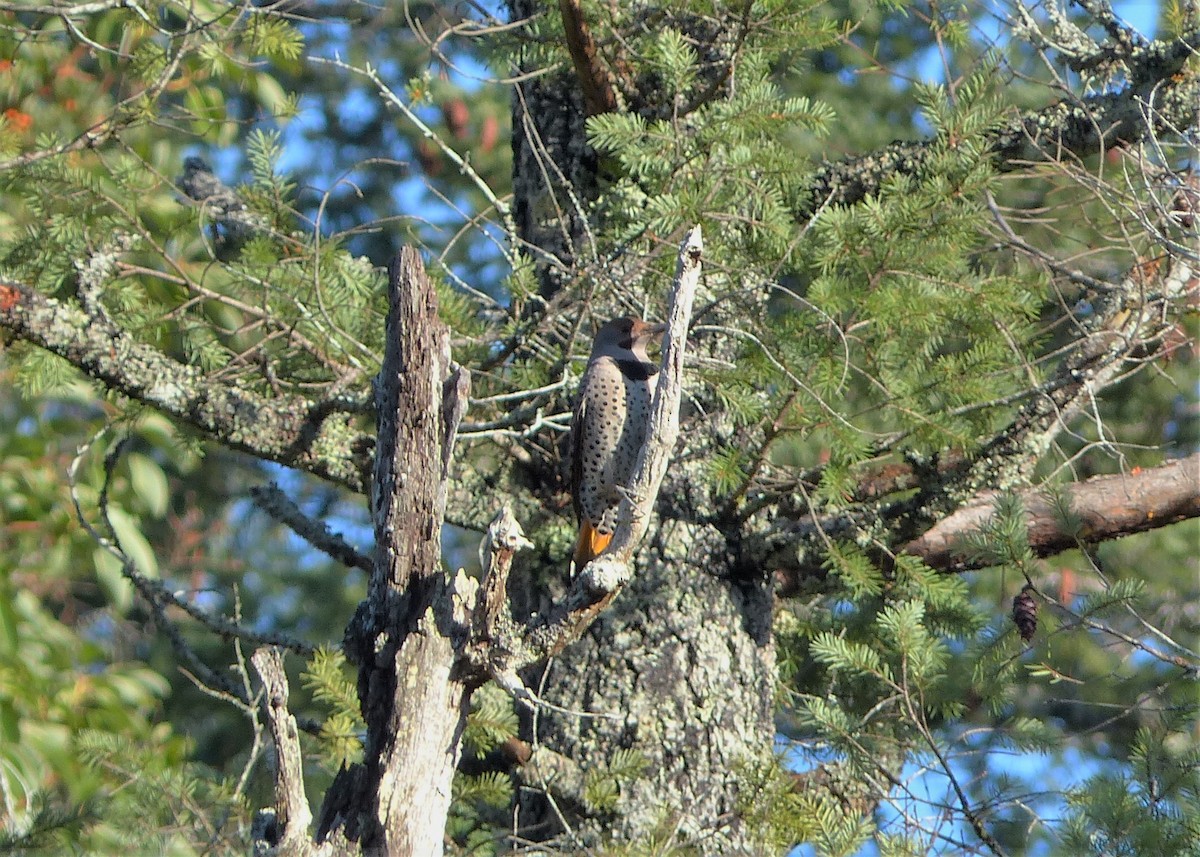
(288, 430)
(407, 635)
(504, 537)
(285, 830)
(504, 649)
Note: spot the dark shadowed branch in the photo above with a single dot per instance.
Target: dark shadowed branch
(598, 92)
(277, 504)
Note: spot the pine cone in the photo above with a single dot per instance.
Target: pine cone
(1024, 613)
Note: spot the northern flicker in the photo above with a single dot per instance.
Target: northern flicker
(609, 427)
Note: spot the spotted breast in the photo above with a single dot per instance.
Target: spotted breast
(609, 427)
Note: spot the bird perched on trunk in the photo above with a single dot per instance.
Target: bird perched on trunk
(609, 428)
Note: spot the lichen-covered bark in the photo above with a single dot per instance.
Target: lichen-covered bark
(1160, 98)
(680, 670)
(307, 435)
(683, 658)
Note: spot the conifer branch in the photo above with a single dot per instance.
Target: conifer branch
(1127, 324)
(288, 430)
(1106, 507)
(1160, 98)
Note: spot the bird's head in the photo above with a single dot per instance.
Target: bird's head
(626, 334)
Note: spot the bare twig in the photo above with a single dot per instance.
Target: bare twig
(277, 504)
(389, 95)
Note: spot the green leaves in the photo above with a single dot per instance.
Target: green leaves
(1150, 809)
(725, 158)
(674, 59)
(274, 38)
(1003, 538)
(602, 782)
(836, 652)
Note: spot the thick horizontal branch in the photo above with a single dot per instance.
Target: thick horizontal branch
(1106, 507)
(1159, 99)
(309, 436)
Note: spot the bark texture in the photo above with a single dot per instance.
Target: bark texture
(681, 671)
(554, 169)
(315, 436)
(405, 635)
(1104, 508)
(283, 829)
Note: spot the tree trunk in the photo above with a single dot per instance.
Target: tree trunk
(554, 169)
(681, 668)
(405, 635)
(681, 671)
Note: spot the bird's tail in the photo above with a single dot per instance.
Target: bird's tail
(591, 544)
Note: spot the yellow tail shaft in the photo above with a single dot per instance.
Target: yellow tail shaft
(590, 545)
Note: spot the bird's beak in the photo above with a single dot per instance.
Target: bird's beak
(655, 331)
